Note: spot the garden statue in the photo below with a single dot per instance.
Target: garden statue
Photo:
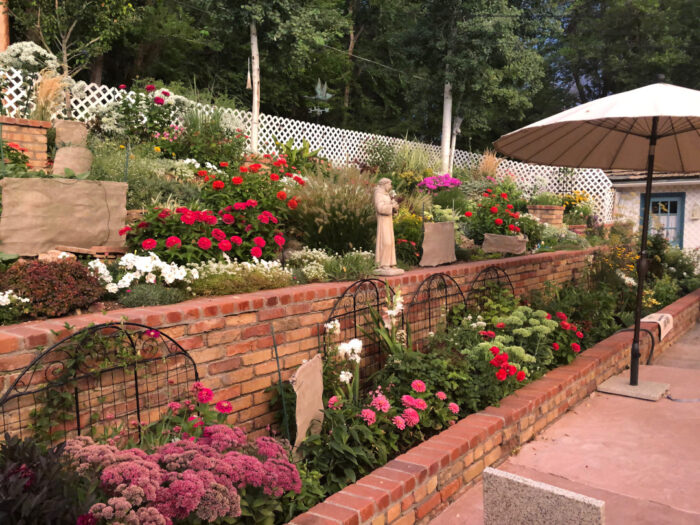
(385, 204)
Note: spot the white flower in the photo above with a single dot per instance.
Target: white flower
(355, 357)
(355, 346)
(151, 278)
(332, 327)
(112, 288)
(345, 377)
(344, 350)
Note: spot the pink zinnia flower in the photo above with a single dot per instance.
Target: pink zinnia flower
(381, 403)
(158, 100)
(333, 403)
(236, 240)
(453, 407)
(368, 415)
(205, 395)
(174, 406)
(256, 252)
(399, 422)
(411, 417)
(223, 407)
(259, 241)
(407, 401)
(418, 385)
(150, 87)
(576, 347)
(441, 395)
(420, 404)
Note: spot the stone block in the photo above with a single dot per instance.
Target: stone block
(514, 500)
(75, 158)
(70, 133)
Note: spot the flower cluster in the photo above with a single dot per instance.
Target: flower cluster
(439, 182)
(504, 368)
(9, 297)
(133, 268)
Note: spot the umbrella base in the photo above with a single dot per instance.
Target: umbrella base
(620, 385)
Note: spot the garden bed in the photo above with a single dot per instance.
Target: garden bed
(415, 486)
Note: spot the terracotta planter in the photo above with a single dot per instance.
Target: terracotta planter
(578, 228)
(547, 213)
(494, 243)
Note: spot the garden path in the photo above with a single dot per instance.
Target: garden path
(642, 458)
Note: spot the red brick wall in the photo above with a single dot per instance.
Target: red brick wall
(30, 134)
(230, 337)
(416, 486)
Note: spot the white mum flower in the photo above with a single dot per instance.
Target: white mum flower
(344, 350)
(345, 377)
(355, 345)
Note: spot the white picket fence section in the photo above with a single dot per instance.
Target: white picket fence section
(343, 146)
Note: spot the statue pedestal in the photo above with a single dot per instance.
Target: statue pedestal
(388, 272)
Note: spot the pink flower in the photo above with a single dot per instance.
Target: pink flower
(579, 335)
(561, 316)
(418, 385)
(218, 234)
(279, 240)
(204, 243)
(122, 86)
(441, 395)
(256, 252)
(381, 403)
(334, 403)
(173, 242)
(407, 401)
(149, 244)
(411, 417)
(158, 100)
(399, 422)
(205, 395)
(555, 346)
(453, 407)
(174, 406)
(368, 415)
(501, 325)
(150, 87)
(259, 241)
(236, 240)
(228, 218)
(576, 347)
(223, 407)
(225, 246)
(420, 404)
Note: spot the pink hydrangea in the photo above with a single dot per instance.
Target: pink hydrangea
(418, 385)
(369, 416)
(411, 417)
(453, 407)
(441, 395)
(399, 422)
(380, 403)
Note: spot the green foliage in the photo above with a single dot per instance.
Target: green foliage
(13, 307)
(350, 266)
(666, 290)
(380, 156)
(237, 283)
(151, 295)
(312, 492)
(39, 485)
(337, 212)
(54, 288)
(553, 238)
(453, 198)
(547, 199)
(301, 158)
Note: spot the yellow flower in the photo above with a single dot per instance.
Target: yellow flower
(122, 146)
(156, 149)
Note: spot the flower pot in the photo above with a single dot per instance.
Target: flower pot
(549, 214)
(580, 229)
(494, 243)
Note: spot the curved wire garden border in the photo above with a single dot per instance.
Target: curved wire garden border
(103, 380)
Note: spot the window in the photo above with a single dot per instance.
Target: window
(667, 211)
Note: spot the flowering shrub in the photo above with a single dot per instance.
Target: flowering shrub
(54, 288)
(231, 277)
(493, 214)
(439, 182)
(132, 269)
(577, 207)
(13, 307)
(15, 154)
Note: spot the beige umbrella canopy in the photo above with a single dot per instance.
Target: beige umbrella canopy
(655, 127)
(614, 132)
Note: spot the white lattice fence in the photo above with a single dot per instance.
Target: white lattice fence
(344, 146)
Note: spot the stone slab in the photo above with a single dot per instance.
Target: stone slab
(620, 385)
(388, 272)
(510, 499)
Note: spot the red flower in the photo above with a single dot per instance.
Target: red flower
(494, 350)
(516, 215)
(489, 190)
(467, 214)
(124, 230)
(252, 203)
(576, 347)
(149, 244)
(512, 370)
(188, 218)
(549, 316)
(517, 229)
(204, 243)
(218, 185)
(173, 242)
(236, 240)
(165, 93)
(521, 376)
(164, 213)
(150, 87)
(218, 234)
(501, 325)
(274, 176)
(259, 241)
(122, 86)
(201, 173)
(223, 164)
(498, 221)
(512, 227)
(579, 335)
(254, 168)
(501, 374)
(158, 100)
(225, 246)
(487, 333)
(224, 407)
(237, 180)
(281, 195)
(239, 206)
(292, 204)
(561, 316)
(555, 346)
(509, 206)
(256, 252)
(299, 180)
(486, 195)
(504, 196)
(279, 240)
(243, 169)
(565, 325)
(228, 218)
(494, 209)
(143, 224)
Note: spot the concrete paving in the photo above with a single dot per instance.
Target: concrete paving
(642, 458)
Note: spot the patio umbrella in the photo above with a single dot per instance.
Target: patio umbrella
(656, 127)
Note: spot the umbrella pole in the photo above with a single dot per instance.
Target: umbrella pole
(643, 263)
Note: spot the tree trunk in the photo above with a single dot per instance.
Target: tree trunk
(456, 125)
(351, 48)
(96, 70)
(4, 25)
(255, 120)
(446, 128)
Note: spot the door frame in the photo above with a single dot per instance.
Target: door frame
(681, 214)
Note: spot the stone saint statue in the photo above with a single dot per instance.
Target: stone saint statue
(386, 205)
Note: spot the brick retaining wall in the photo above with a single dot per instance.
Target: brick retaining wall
(416, 486)
(30, 134)
(230, 337)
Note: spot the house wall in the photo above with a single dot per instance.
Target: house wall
(627, 206)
